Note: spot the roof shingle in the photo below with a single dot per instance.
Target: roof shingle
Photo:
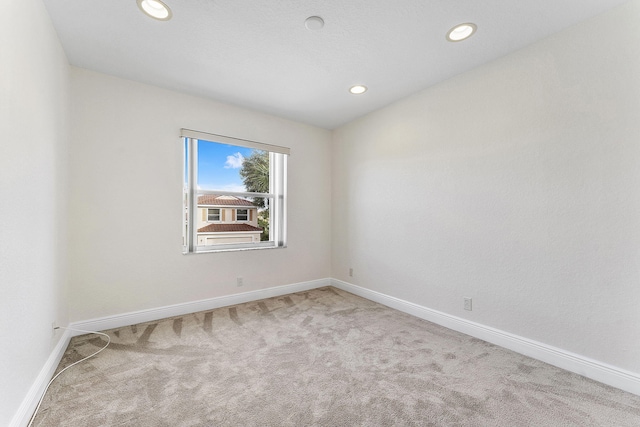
(222, 228)
(217, 200)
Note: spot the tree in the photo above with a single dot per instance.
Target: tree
(255, 175)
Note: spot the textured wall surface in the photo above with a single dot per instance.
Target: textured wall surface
(516, 184)
(126, 195)
(33, 126)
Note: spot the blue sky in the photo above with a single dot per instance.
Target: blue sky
(219, 166)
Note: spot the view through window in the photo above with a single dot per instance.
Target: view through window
(234, 193)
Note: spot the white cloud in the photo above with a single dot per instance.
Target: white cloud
(234, 162)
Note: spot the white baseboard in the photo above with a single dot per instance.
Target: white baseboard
(133, 318)
(607, 374)
(22, 417)
(589, 368)
(29, 403)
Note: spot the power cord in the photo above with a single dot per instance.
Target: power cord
(33, 417)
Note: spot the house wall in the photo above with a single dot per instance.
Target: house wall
(525, 180)
(126, 156)
(33, 126)
(220, 238)
(227, 213)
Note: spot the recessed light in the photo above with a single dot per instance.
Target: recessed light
(358, 89)
(314, 23)
(461, 32)
(155, 9)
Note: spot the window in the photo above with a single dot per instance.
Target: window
(242, 215)
(213, 214)
(234, 193)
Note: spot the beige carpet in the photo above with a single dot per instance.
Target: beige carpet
(318, 358)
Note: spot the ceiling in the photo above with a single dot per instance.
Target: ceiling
(259, 54)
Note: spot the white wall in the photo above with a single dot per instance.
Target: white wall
(126, 195)
(516, 184)
(33, 127)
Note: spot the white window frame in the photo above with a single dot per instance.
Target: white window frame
(219, 214)
(277, 195)
(246, 215)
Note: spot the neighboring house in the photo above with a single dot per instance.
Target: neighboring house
(226, 219)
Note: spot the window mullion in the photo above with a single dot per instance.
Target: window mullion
(193, 197)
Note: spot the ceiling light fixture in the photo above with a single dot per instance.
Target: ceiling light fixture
(358, 89)
(314, 23)
(155, 9)
(461, 32)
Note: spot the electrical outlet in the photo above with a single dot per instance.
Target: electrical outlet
(54, 325)
(467, 304)
(351, 272)
(239, 281)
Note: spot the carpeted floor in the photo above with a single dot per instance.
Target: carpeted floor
(318, 358)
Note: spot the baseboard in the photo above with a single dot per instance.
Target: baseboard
(29, 403)
(607, 374)
(133, 318)
(598, 371)
(23, 415)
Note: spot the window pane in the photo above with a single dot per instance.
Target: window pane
(228, 225)
(227, 214)
(220, 167)
(214, 215)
